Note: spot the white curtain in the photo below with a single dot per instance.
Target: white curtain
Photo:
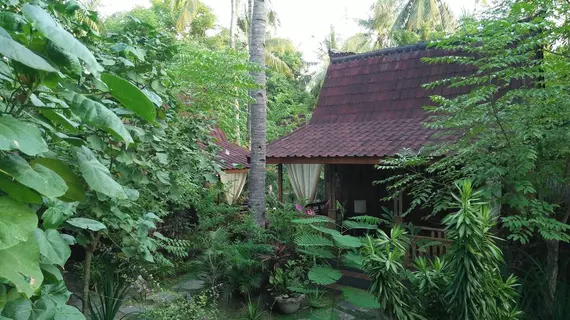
(304, 179)
(233, 183)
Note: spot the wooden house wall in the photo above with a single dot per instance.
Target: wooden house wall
(356, 182)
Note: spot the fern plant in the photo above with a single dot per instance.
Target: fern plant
(328, 247)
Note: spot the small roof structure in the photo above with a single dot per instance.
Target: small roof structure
(232, 157)
(370, 106)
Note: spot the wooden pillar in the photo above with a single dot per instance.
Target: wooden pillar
(330, 190)
(280, 182)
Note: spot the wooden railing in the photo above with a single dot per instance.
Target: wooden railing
(428, 243)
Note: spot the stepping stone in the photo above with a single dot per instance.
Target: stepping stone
(163, 297)
(130, 311)
(189, 286)
(347, 306)
(342, 315)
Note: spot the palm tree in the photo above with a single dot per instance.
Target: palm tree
(233, 22)
(258, 111)
(378, 28)
(417, 15)
(185, 10)
(330, 44)
(397, 22)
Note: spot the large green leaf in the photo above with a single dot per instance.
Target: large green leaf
(97, 115)
(18, 191)
(51, 273)
(346, 241)
(59, 119)
(17, 222)
(53, 248)
(360, 298)
(3, 297)
(56, 292)
(20, 265)
(57, 213)
(130, 96)
(43, 309)
(18, 135)
(12, 21)
(324, 275)
(66, 312)
(75, 191)
(15, 51)
(329, 231)
(18, 309)
(37, 177)
(64, 59)
(86, 224)
(312, 240)
(97, 175)
(51, 30)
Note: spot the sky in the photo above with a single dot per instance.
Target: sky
(305, 22)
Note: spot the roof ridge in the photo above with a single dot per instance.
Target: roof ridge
(344, 57)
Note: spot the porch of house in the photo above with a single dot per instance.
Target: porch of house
(350, 183)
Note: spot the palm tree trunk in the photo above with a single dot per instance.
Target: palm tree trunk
(248, 24)
(258, 113)
(233, 20)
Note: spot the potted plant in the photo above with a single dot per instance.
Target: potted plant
(282, 280)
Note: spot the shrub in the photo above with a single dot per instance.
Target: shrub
(199, 307)
(465, 284)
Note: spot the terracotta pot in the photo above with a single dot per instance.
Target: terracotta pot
(289, 305)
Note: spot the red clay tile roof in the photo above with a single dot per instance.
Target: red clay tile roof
(370, 105)
(231, 156)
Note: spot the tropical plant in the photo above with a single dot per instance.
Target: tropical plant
(401, 22)
(423, 15)
(77, 147)
(327, 249)
(185, 11)
(112, 293)
(253, 311)
(199, 307)
(469, 271)
(214, 82)
(510, 123)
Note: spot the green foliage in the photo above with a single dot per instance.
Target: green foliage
(466, 283)
(324, 275)
(383, 263)
(514, 108)
(200, 306)
(289, 104)
(254, 311)
(360, 298)
(216, 82)
(112, 293)
(228, 248)
(474, 262)
(97, 153)
(328, 249)
(284, 280)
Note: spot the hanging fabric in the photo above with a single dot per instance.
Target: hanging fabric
(304, 179)
(233, 183)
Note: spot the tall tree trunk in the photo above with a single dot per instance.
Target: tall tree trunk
(552, 268)
(233, 21)
(249, 17)
(87, 273)
(258, 113)
(553, 248)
